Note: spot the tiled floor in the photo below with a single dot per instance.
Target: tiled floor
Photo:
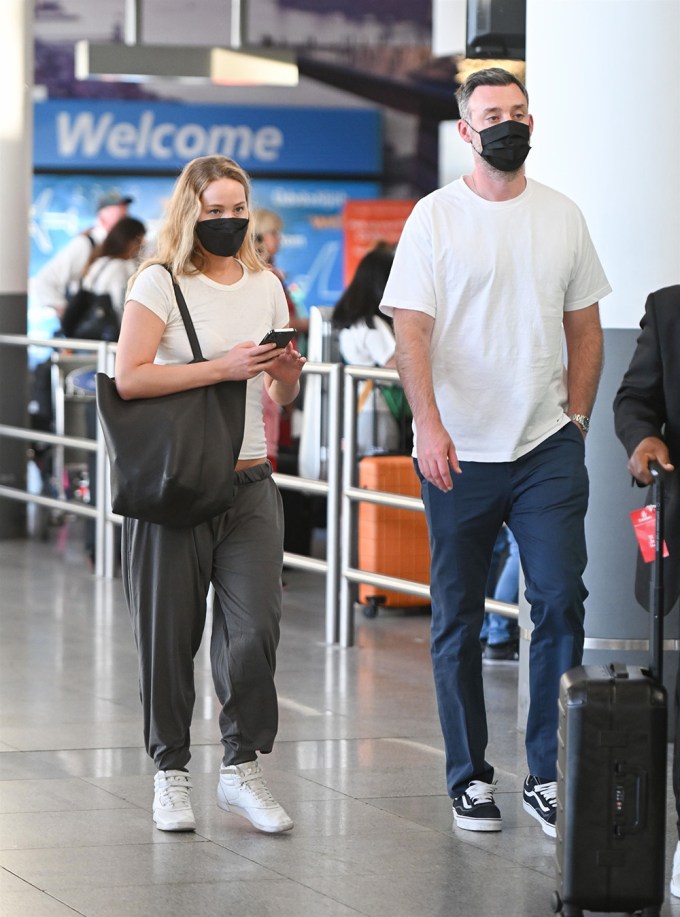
(358, 764)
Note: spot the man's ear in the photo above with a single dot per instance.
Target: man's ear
(464, 130)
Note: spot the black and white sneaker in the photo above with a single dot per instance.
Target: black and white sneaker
(475, 809)
(540, 801)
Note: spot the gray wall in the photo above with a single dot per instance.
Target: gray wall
(13, 402)
(612, 612)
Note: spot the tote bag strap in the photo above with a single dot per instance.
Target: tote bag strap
(186, 318)
(97, 274)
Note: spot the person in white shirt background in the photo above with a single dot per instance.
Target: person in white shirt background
(61, 274)
(112, 264)
(366, 339)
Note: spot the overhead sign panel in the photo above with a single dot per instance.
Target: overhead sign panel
(162, 136)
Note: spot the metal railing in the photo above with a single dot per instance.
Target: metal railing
(340, 489)
(331, 490)
(352, 495)
(103, 357)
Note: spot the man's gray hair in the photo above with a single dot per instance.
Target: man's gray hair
(492, 76)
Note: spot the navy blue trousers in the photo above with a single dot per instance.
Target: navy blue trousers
(543, 497)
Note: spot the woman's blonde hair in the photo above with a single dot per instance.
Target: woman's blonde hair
(265, 221)
(177, 244)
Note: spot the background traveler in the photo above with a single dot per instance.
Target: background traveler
(106, 274)
(112, 264)
(267, 226)
(647, 421)
(234, 301)
(366, 338)
(62, 273)
(499, 633)
(489, 273)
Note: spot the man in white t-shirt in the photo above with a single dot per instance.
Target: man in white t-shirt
(62, 272)
(492, 274)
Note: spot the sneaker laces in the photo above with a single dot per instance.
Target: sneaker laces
(174, 792)
(253, 779)
(548, 791)
(480, 792)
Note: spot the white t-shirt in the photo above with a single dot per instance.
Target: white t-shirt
(62, 272)
(223, 316)
(496, 277)
(110, 275)
(364, 346)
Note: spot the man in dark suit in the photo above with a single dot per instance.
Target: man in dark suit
(647, 421)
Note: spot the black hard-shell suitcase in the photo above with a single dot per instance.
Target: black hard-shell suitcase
(611, 777)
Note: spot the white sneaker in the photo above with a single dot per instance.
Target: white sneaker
(242, 790)
(675, 873)
(171, 805)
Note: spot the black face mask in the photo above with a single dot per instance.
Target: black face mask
(222, 237)
(505, 146)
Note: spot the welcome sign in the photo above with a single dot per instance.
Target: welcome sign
(162, 136)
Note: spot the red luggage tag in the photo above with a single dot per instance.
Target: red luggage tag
(644, 524)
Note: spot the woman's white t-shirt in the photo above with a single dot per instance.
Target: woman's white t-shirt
(223, 316)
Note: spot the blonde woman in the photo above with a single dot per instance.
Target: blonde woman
(234, 301)
(268, 229)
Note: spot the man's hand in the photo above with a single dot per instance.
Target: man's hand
(436, 455)
(650, 449)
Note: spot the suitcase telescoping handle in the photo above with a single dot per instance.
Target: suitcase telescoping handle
(656, 581)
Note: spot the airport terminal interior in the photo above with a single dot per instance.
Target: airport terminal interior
(358, 764)
(359, 759)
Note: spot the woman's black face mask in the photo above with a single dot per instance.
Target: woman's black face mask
(223, 236)
(505, 146)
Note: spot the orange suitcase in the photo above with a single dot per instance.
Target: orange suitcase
(392, 541)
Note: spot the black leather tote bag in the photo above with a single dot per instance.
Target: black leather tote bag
(173, 457)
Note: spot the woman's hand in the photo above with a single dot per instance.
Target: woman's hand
(286, 366)
(282, 378)
(247, 360)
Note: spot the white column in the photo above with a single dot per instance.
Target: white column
(448, 27)
(604, 91)
(448, 37)
(603, 81)
(16, 155)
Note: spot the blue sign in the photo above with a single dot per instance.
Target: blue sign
(162, 136)
(311, 211)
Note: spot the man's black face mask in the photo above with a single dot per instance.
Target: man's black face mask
(505, 146)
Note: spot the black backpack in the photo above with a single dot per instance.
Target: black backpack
(90, 316)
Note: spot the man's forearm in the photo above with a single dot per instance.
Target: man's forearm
(415, 369)
(585, 355)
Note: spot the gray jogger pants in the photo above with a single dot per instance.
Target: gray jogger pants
(166, 575)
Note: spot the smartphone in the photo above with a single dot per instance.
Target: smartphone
(279, 336)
